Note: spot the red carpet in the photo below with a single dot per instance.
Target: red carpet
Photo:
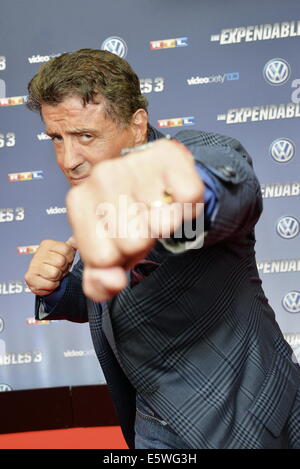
(71, 438)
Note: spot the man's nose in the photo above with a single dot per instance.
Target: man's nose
(71, 156)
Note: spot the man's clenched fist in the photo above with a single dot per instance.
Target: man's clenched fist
(49, 266)
(125, 205)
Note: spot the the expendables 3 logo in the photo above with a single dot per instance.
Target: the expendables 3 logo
(260, 113)
(275, 72)
(13, 287)
(20, 358)
(261, 32)
(12, 214)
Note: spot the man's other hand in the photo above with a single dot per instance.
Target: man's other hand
(125, 205)
(49, 266)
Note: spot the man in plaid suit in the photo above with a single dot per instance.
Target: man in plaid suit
(187, 341)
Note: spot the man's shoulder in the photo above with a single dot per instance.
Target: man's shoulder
(199, 137)
(208, 140)
(211, 140)
(202, 137)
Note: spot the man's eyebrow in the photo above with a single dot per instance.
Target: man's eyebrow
(51, 134)
(73, 132)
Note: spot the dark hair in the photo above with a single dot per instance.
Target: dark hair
(88, 74)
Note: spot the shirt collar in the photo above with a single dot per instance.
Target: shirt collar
(154, 134)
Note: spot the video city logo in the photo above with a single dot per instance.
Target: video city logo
(288, 227)
(291, 302)
(277, 71)
(115, 45)
(282, 150)
(220, 78)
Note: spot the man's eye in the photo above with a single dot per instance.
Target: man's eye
(86, 137)
(56, 139)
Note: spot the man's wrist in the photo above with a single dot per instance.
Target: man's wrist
(51, 300)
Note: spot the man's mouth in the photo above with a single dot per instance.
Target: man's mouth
(76, 181)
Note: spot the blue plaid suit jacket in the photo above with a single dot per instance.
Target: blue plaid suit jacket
(197, 338)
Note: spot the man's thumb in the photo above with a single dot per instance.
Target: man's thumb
(71, 242)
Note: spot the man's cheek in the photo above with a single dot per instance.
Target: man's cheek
(96, 156)
(58, 159)
(61, 167)
(59, 162)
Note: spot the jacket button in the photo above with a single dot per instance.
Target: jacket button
(227, 171)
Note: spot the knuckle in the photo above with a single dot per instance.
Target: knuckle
(31, 283)
(192, 192)
(54, 274)
(27, 278)
(55, 284)
(36, 290)
(60, 262)
(196, 190)
(105, 257)
(133, 247)
(46, 243)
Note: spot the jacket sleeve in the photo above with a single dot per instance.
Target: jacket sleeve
(240, 202)
(72, 306)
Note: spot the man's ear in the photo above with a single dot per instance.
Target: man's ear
(139, 125)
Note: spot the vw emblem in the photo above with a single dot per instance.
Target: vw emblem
(116, 45)
(291, 302)
(288, 227)
(282, 150)
(1, 324)
(5, 387)
(277, 71)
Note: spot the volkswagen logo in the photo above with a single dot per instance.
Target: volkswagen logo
(1, 324)
(5, 387)
(116, 45)
(282, 150)
(291, 302)
(277, 71)
(288, 227)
